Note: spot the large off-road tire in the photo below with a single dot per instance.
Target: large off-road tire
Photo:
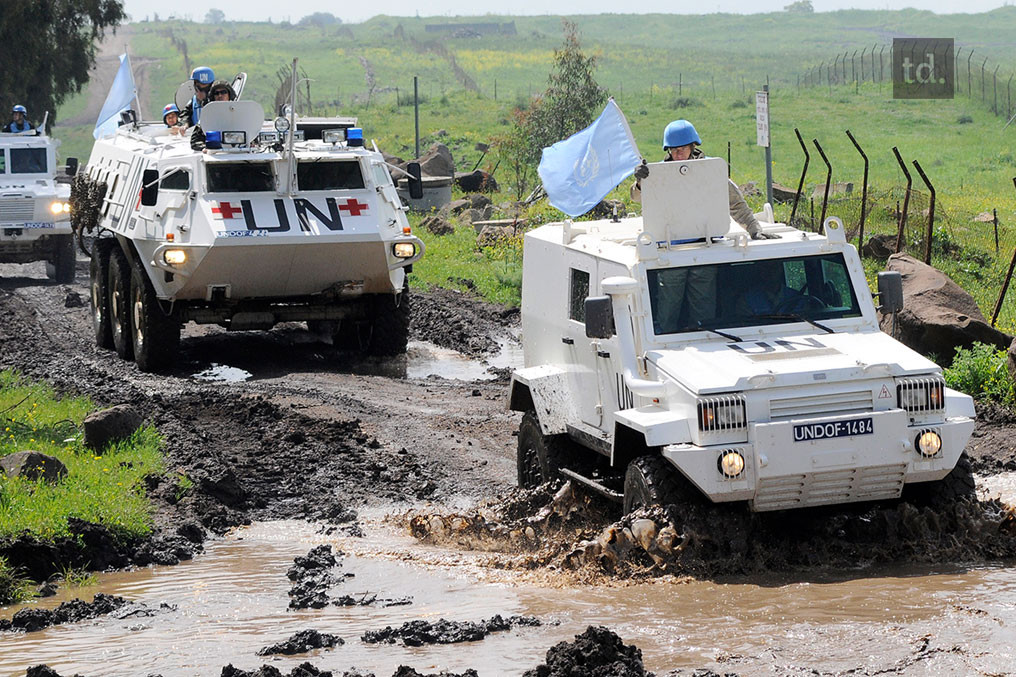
(958, 485)
(389, 324)
(63, 259)
(652, 480)
(155, 336)
(119, 287)
(540, 457)
(98, 288)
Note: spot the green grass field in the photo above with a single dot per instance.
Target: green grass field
(658, 67)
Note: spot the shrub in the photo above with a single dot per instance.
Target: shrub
(13, 588)
(964, 120)
(981, 372)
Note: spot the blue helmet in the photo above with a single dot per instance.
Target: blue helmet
(203, 74)
(170, 108)
(19, 109)
(680, 133)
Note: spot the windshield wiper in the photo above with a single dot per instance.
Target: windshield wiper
(730, 337)
(795, 317)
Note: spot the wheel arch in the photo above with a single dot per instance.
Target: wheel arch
(629, 444)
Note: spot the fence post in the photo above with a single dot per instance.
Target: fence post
(956, 69)
(931, 211)
(829, 178)
(969, 56)
(881, 77)
(853, 71)
(906, 201)
(728, 159)
(994, 89)
(983, 63)
(864, 191)
(800, 184)
(994, 220)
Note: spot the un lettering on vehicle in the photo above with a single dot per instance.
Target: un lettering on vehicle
(277, 218)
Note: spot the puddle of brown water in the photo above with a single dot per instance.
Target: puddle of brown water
(233, 600)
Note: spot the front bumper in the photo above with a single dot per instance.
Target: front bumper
(781, 472)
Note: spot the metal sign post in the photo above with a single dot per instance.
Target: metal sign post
(762, 133)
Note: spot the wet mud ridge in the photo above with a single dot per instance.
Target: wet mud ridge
(77, 610)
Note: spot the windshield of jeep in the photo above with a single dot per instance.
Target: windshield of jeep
(28, 161)
(751, 293)
(240, 177)
(323, 175)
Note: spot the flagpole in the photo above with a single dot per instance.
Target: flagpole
(137, 97)
(624, 120)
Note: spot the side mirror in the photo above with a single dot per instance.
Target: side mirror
(415, 182)
(149, 187)
(599, 317)
(72, 166)
(890, 291)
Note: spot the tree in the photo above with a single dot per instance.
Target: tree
(215, 16)
(48, 48)
(320, 19)
(800, 7)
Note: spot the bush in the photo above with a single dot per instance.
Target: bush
(981, 372)
(964, 120)
(13, 588)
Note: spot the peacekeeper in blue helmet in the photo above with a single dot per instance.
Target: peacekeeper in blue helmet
(171, 117)
(203, 77)
(681, 142)
(18, 122)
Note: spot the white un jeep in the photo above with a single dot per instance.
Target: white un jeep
(673, 351)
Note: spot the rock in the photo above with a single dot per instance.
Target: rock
(750, 189)
(984, 217)
(841, 188)
(394, 160)
(493, 234)
(478, 200)
(880, 247)
(482, 214)
(783, 194)
(302, 642)
(476, 180)
(597, 651)
(110, 425)
(605, 209)
(458, 206)
(938, 315)
(73, 300)
(437, 224)
(437, 161)
(33, 465)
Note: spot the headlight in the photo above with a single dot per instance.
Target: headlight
(333, 136)
(59, 208)
(929, 443)
(266, 138)
(404, 250)
(234, 138)
(725, 412)
(281, 124)
(174, 257)
(918, 395)
(730, 463)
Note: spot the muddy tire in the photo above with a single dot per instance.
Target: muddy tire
(958, 485)
(98, 288)
(119, 288)
(389, 324)
(63, 259)
(155, 336)
(540, 457)
(651, 480)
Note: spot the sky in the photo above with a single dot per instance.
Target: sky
(353, 12)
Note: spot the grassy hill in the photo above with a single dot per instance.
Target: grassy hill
(658, 67)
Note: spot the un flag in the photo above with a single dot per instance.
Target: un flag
(578, 172)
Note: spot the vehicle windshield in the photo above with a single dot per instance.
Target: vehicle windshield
(325, 175)
(751, 293)
(240, 177)
(28, 161)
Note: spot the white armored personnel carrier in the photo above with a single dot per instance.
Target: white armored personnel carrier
(34, 208)
(670, 353)
(264, 226)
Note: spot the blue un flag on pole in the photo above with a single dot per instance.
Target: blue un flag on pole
(578, 172)
(119, 99)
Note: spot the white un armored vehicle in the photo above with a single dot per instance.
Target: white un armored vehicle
(674, 352)
(34, 209)
(265, 226)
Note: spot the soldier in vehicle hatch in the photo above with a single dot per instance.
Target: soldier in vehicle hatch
(203, 76)
(18, 122)
(220, 91)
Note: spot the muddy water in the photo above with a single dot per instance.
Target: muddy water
(233, 600)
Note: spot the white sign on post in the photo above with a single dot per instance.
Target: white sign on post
(762, 118)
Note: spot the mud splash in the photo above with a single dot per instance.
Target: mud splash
(570, 531)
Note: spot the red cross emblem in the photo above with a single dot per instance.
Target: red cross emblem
(226, 211)
(353, 207)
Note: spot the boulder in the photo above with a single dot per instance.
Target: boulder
(478, 200)
(437, 224)
(33, 465)
(749, 189)
(984, 217)
(110, 425)
(493, 234)
(476, 180)
(481, 214)
(394, 160)
(459, 206)
(938, 316)
(783, 194)
(840, 188)
(437, 161)
(879, 247)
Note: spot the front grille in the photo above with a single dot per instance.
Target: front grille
(721, 413)
(17, 209)
(826, 487)
(921, 395)
(815, 406)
